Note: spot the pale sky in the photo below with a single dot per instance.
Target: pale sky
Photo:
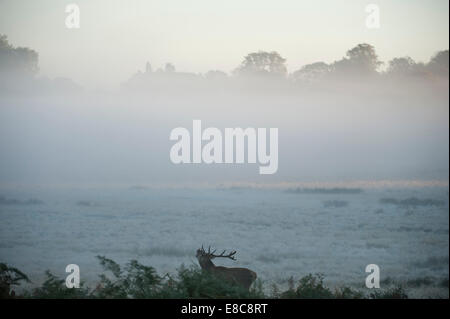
(117, 37)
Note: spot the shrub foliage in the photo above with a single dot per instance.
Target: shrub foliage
(137, 281)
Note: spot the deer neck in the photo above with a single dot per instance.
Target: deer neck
(207, 264)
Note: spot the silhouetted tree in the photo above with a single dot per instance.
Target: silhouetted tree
(311, 72)
(169, 68)
(18, 61)
(148, 68)
(361, 60)
(404, 66)
(438, 64)
(262, 63)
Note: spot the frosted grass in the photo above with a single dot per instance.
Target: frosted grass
(276, 233)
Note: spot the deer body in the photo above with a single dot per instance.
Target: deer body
(240, 276)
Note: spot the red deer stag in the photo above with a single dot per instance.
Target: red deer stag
(240, 276)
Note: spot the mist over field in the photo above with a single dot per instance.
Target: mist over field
(363, 168)
(383, 129)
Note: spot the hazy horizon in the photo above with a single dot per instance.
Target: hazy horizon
(117, 38)
(353, 123)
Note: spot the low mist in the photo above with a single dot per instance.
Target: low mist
(344, 121)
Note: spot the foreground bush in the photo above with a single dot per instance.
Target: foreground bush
(309, 287)
(138, 281)
(55, 288)
(10, 276)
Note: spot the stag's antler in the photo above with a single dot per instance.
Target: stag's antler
(230, 255)
(211, 254)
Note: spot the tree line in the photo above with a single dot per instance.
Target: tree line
(360, 61)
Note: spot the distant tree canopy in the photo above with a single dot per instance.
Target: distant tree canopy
(262, 63)
(439, 63)
(169, 68)
(148, 68)
(401, 66)
(438, 66)
(406, 66)
(311, 72)
(17, 60)
(361, 60)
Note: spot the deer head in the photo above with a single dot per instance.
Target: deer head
(241, 276)
(204, 257)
